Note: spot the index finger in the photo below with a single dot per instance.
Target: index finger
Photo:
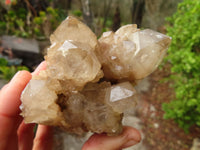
(41, 67)
(10, 96)
(9, 109)
(10, 102)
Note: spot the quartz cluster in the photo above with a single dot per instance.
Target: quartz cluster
(88, 83)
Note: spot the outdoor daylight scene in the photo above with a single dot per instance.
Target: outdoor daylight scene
(99, 74)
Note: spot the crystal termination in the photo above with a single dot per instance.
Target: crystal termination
(88, 83)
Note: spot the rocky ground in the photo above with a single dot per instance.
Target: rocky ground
(162, 134)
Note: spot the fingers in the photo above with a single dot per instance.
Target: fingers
(25, 136)
(44, 138)
(44, 135)
(10, 96)
(41, 66)
(10, 93)
(129, 137)
(25, 131)
(9, 108)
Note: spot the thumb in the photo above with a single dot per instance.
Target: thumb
(129, 137)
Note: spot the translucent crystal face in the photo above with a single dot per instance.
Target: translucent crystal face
(122, 97)
(132, 54)
(75, 91)
(73, 29)
(72, 61)
(35, 95)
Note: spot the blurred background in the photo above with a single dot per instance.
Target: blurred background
(168, 111)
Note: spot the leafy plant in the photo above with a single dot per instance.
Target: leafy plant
(15, 23)
(46, 22)
(184, 56)
(7, 72)
(21, 22)
(77, 13)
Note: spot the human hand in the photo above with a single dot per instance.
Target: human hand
(15, 134)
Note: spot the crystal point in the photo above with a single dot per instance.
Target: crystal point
(73, 29)
(37, 94)
(132, 54)
(85, 86)
(122, 97)
(74, 61)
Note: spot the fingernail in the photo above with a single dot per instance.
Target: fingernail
(130, 143)
(17, 74)
(41, 66)
(13, 78)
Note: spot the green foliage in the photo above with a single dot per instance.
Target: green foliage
(22, 23)
(3, 62)
(184, 55)
(106, 24)
(77, 13)
(50, 18)
(109, 22)
(7, 72)
(14, 23)
(2, 27)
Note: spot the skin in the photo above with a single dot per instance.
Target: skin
(16, 135)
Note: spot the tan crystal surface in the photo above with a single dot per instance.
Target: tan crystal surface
(94, 112)
(73, 29)
(122, 97)
(130, 53)
(85, 86)
(73, 62)
(44, 99)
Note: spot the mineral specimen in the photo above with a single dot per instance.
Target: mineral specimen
(87, 83)
(131, 54)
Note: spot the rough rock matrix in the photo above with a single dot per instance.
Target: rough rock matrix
(88, 83)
